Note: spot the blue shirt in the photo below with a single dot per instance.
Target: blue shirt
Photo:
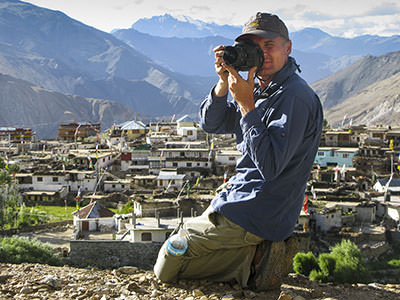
(278, 141)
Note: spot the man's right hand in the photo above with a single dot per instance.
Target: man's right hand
(221, 89)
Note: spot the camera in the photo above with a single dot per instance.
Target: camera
(243, 55)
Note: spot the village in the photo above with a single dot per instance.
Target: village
(167, 171)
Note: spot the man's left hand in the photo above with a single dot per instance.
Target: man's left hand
(242, 90)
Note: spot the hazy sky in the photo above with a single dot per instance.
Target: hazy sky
(346, 18)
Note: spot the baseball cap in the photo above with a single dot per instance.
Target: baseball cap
(265, 25)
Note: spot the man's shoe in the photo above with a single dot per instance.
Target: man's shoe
(272, 262)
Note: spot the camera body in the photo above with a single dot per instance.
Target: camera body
(243, 55)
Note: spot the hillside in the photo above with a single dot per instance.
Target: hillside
(379, 103)
(353, 79)
(58, 53)
(26, 105)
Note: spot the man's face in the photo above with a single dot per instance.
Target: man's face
(276, 52)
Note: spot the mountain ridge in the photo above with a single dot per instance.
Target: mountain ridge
(43, 110)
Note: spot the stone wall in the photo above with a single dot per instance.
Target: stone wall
(108, 254)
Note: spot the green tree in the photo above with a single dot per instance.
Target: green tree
(9, 198)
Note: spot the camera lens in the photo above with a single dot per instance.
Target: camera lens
(230, 55)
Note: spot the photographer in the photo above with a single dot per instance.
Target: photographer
(244, 234)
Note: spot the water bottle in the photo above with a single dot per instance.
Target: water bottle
(177, 243)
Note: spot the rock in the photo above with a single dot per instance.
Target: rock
(128, 270)
(4, 278)
(26, 290)
(197, 293)
(52, 281)
(249, 294)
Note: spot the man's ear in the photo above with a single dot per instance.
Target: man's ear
(289, 47)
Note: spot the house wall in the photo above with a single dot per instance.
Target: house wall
(116, 186)
(47, 183)
(188, 133)
(95, 223)
(223, 159)
(86, 184)
(366, 214)
(156, 235)
(104, 161)
(334, 157)
(329, 220)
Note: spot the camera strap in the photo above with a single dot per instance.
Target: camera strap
(265, 92)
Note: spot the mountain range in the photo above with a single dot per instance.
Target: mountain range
(165, 68)
(43, 110)
(51, 50)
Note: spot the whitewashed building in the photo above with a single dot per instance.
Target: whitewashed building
(94, 217)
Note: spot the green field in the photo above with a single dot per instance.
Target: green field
(57, 213)
(60, 213)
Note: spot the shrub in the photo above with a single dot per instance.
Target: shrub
(17, 250)
(304, 263)
(350, 266)
(128, 208)
(317, 275)
(327, 264)
(344, 264)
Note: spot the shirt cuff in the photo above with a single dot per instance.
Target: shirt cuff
(217, 99)
(249, 120)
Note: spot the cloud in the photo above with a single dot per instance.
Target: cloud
(316, 16)
(387, 8)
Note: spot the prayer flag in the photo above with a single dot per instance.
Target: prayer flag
(78, 197)
(305, 204)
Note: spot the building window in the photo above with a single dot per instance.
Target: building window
(55, 179)
(174, 164)
(321, 153)
(40, 179)
(188, 164)
(146, 236)
(345, 155)
(231, 158)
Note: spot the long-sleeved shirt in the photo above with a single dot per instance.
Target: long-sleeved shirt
(278, 141)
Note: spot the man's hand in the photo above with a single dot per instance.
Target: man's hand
(221, 89)
(241, 90)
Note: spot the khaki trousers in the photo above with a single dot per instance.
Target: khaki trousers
(218, 250)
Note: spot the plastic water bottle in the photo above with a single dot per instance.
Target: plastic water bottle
(177, 243)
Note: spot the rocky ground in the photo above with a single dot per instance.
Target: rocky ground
(35, 281)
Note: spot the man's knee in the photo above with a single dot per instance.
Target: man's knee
(167, 266)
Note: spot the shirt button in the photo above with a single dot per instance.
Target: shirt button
(283, 134)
